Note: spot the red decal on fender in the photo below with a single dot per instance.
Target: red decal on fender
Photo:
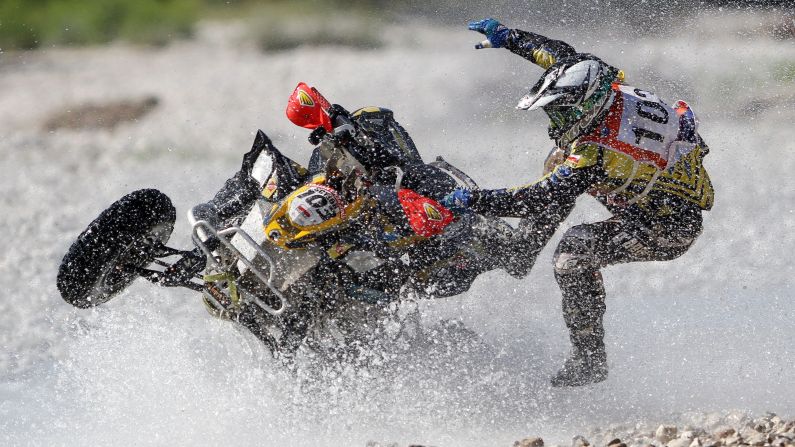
(426, 216)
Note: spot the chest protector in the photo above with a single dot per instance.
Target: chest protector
(642, 126)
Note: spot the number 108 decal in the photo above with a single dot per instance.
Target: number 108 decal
(646, 122)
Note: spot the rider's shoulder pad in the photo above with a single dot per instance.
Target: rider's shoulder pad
(583, 156)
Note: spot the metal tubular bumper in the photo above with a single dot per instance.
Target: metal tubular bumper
(224, 237)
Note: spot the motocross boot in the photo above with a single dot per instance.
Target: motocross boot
(236, 197)
(583, 309)
(496, 244)
(577, 273)
(229, 205)
(587, 363)
(521, 246)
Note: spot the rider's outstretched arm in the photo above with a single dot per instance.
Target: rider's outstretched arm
(538, 49)
(534, 47)
(557, 190)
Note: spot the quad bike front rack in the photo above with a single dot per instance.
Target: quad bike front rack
(224, 237)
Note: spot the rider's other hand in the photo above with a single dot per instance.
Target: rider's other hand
(317, 135)
(496, 33)
(342, 121)
(337, 110)
(457, 201)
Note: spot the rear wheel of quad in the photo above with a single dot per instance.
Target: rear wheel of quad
(124, 238)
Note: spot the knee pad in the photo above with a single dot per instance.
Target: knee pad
(574, 253)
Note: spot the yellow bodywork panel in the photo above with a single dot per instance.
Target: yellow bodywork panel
(280, 230)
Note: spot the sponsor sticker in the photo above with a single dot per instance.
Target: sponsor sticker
(314, 206)
(432, 212)
(339, 249)
(302, 209)
(305, 99)
(270, 188)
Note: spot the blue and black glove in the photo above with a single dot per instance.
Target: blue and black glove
(496, 33)
(458, 201)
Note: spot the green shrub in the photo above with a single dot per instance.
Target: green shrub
(279, 26)
(27, 24)
(784, 71)
(280, 36)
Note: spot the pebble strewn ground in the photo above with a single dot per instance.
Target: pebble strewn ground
(735, 429)
(713, 430)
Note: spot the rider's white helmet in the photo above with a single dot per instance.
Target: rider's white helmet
(574, 94)
(566, 85)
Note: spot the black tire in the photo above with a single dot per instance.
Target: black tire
(123, 235)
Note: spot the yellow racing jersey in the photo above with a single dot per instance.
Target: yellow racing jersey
(626, 181)
(643, 156)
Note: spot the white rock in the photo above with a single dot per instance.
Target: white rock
(749, 431)
(724, 432)
(644, 441)
(734, 439)
(579, 441)
(712, 420)
(679, 442)
(737, 418)
(529, 442)
(665, 433)
(756, 439)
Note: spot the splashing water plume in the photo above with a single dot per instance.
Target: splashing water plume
(710, 332)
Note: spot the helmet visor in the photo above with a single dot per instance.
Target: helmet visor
(562, 86)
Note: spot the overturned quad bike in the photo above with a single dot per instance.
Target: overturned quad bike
(324, 249)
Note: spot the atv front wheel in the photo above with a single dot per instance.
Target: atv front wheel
(106, 256)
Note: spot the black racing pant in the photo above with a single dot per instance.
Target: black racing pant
(586, 248)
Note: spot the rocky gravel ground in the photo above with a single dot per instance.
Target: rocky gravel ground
(715, 430)
(734, 429)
